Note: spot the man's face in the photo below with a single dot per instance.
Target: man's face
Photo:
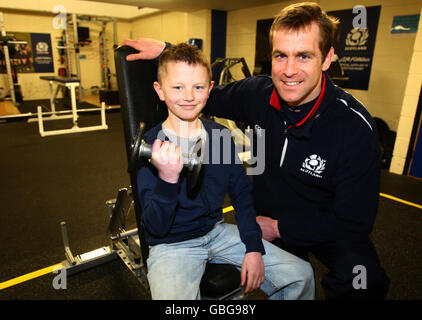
(297, 64)
(185, 89)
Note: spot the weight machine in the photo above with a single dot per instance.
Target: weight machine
(68, 46)
(225, 77)
(5, 40)
(226, 64)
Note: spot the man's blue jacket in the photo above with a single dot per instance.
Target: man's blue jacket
(321, 177)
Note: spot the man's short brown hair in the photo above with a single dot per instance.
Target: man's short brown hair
(301, 15)
(183, 52)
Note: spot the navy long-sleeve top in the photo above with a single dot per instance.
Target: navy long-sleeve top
(174, 213)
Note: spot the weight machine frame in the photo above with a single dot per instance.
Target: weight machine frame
(7, 59)
(225, 78)
(73, 21)
(125, 244)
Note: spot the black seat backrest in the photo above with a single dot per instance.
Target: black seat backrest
(138, 103)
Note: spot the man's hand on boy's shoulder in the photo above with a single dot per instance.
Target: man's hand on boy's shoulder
(253, 271)
(148, 48)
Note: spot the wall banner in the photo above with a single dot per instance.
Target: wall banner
(33, 56)
(355, 45)
(43, 56)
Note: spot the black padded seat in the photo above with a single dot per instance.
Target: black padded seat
(219, 280)
(59, 79)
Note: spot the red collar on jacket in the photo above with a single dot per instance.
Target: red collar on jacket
(275, 102)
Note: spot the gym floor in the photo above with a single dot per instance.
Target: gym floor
(70, 177)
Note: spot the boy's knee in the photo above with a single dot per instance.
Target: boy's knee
(306, 283)
(306, 272)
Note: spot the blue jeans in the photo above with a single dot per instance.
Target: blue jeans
(175, 269)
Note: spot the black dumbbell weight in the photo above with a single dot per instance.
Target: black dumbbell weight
(140, 148)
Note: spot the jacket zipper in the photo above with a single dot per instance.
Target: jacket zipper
(286, 142)
(310, 114)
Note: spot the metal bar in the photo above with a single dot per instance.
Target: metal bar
(17, 42)
(68, 56)
(103, 118)
(68, 253)
(130, 233)
(40, 123)
(72, 87)
(7, 58)
(115, 41)
(52, 97)
(81, 265)
(76, 45)
(103, 64)
(30, 114)
(75, 128)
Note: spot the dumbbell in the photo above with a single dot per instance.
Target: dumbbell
(139, 149)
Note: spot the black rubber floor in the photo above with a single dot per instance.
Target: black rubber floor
(70, 177)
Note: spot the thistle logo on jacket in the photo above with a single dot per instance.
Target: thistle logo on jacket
(313, 165)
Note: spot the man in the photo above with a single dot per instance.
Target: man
(319, 191)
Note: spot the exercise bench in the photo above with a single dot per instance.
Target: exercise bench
(71, 84)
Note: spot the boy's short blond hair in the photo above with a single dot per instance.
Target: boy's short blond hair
(183, 52)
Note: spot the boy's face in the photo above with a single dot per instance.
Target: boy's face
(185, 89)
(297, 64)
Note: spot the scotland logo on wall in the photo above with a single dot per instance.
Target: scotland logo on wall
(356, 42)
(357, 37)
(43, 57)
(313, 165)
(41, 48)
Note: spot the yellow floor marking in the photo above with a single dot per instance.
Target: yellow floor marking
(29, 276)
(41, 272)
(401, 200)
(228, 209)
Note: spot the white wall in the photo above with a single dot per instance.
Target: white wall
(176, 27)
(413, 86)
(77, 6)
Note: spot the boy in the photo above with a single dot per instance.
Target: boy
(184, 227)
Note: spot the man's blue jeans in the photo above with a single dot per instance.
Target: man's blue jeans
(175, 270)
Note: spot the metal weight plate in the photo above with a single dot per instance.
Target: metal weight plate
(136, 144)
(193, 174)
(195, 166)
